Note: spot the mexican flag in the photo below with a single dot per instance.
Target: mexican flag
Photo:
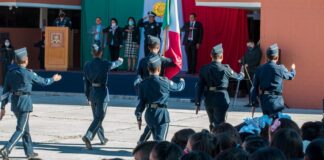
(172, 40)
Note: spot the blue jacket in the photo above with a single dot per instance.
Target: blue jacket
(269, 77)
(96, 71)
(20, 79)
(156, 90)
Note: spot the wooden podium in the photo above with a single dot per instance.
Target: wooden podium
(58, 48)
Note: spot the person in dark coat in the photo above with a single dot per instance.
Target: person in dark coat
(7, 57)
(268, 83)
(96, 91)
(213, 83)
(114, 39)
(132, 42)
(41, 55)
(18, 84)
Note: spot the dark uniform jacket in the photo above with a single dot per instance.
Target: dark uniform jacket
(143, 64)
(96, 73)
(153, 29)
(213, 83)
(156, 90)
(66, 22)
(269, 77)
(197, 33)
(20, 80)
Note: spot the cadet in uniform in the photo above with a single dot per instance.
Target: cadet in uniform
(269, 80)
(213, 83)
(151, 27)
(62, 20)
(19, 83)
(96, 91)
(251, 61)
(153, 95)
(143, 72)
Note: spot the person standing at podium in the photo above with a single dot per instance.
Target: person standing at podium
(62, 20)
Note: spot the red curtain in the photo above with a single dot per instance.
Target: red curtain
(221, 25)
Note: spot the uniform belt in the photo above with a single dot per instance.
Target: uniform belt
(155, 106)
(98, 85)
(271, 93)
(217, 88)
(21, 93)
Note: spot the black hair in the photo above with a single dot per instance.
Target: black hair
(224, 141)
(204, 142)
(181, 137)
(145, 148)
(197, 155)
(152, 69)
(267, 153)
(315, 150)
(167, 151)
(153, 45)
(228, 129)
(289, 142)
(193, 14)
(114, 19)
(253, 143)
(233, 154)
(312, 130)
(131, 18)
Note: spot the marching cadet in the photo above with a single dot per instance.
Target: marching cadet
(213, 83)
(269, 80)
(151, 27)
(153, 95)
(143, 72)
(96, 91)
(19, 83)
(62, 20)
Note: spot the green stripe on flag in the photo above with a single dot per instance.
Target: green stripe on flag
(166, 19)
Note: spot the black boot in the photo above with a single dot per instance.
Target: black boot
(33, 156)
(87, 142)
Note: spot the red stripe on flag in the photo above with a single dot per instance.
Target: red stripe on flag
(174, 52)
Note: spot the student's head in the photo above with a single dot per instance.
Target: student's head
(273, 53)
(229, 130)
(217, 53)
(98, 20)
(289, 142)
(166, 151)
(154, 44)
(113, 22)
(253, 143)
(181, 137)
(96, 51)
(315, 150)
(154, 65)
(202, 141)
(267, 153)
(192, 17)
(131, 21)
(283, 123)
(224, 142)
(312, 130)
(142, 151)
(197, 155)
(233, 154)
(21, 57)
